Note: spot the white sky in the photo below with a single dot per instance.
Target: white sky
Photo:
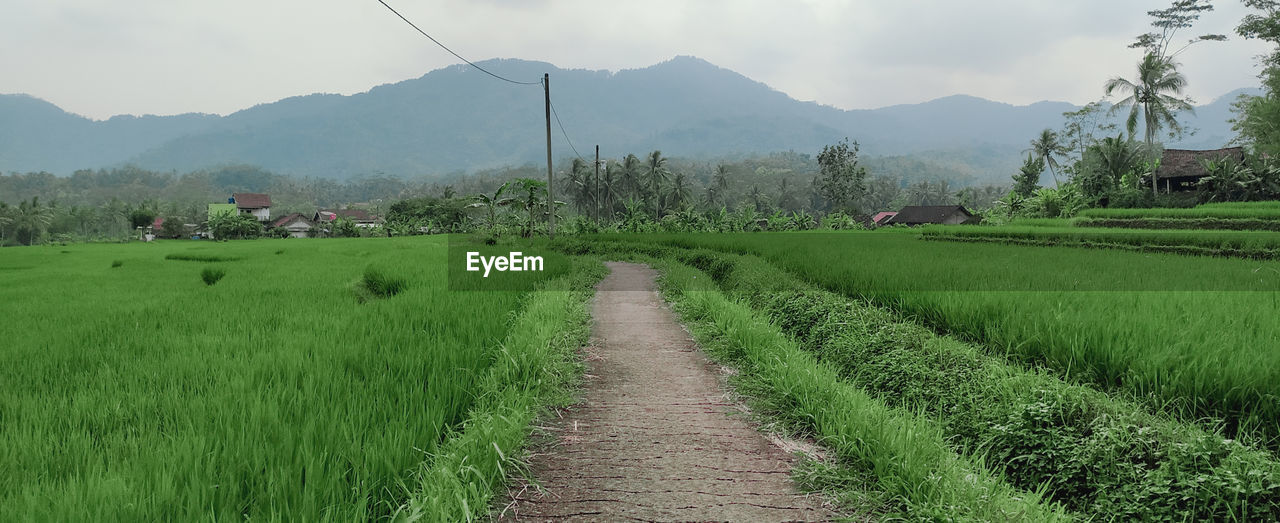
(104, 57)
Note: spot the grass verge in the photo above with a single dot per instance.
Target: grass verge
(534, 368)
(907, 454)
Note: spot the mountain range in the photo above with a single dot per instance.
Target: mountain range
(458, 119)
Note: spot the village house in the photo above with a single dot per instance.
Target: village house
(1181, 169)
(933, 214)
(360, 217)
(257, 205)
(882, 218)
(298, 225)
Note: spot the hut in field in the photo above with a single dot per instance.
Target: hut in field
(933, 214)
(1181, 169)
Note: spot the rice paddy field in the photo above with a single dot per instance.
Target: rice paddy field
(268, 380)
(1195, 336)
(1245, 244)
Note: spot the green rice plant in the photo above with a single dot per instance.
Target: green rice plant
(116, 263)
(906, 453)
(185, 256)
(1094, 454)
(535, 367)
(1191, 336)
(212, 275)
(272, 399)
(1242, 244)
(379, 282)
(1230, 224)
(1266, 212)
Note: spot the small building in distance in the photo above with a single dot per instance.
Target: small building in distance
(882, 218)
(933, 214)
(1180, 169)
(298, 225)
(257, 205)
(361, 217)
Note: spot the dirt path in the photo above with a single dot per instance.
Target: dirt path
(656, 438)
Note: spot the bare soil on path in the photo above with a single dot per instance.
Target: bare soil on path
(655, 437)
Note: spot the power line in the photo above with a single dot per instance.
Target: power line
(446, 48)
(566, 135)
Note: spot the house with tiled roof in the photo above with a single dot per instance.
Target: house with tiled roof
(257, 205)
(938, 214)
(299, 225)
(361, 217)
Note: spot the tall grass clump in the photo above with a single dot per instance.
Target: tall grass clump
(381, 283)
(201, 257)
(116, 263)
(212, 275)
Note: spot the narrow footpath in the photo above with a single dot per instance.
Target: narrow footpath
(655, 438)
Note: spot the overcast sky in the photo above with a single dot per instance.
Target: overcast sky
(104, 57)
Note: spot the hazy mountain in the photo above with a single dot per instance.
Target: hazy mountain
(458, 118)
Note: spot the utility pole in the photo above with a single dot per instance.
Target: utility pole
(597, 185)
(551, 201)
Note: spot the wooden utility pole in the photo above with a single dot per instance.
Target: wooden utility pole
(597, 185)
(551, 201)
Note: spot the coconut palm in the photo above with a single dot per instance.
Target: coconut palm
(658, 173)
(630, 177)
(1154, 93)
(721, 181)
(1048, 146)
(679, 194)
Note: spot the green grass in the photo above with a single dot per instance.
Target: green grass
(138, 393)
(906, 455)
(1094, 454)
(200, 257)
(1257, 210)
(1188, 335)
(1243, 244)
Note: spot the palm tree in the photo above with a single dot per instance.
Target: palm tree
(721, 181)
(31, 220)
(658, 173)
(679, 191)
(580, 188)
(630, 177)
(757, 198)
(1153, 93)
(491, 203)
(1048, 147)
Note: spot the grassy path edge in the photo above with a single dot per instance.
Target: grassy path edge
(536, 367)
(906, 453)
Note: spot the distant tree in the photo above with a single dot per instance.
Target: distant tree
(720, 182)
(30, 221)
(141, 217)
(447, 214)
(757, 199)
(1152, 93)
(787, 196)
(1182, 14)
(1027, 180)
(227, 226)
(629, 177)
(841, 181)
(1256, 116)
(173, 227)
(1048, 148)
(490, 204)
(658, 173)
(679, 194)
(1078, 131)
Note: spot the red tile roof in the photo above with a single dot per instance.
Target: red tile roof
(282, 221)
(359, 215)
(252, 200)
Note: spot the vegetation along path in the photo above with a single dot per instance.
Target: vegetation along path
(655, 437)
